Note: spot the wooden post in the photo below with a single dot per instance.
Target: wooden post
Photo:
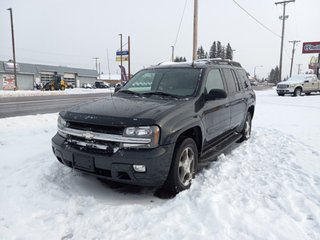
(195, 30)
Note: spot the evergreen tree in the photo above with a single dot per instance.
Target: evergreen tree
(200, 53)
(229, 54)
(219, 50)
(180, 59)
(274, 75)
(213, 50)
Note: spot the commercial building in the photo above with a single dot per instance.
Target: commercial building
(28, 74)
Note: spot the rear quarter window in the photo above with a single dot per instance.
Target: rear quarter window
(244, 80)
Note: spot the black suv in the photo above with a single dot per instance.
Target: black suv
(159, 129)
(101, 84)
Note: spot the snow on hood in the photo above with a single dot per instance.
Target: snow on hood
(298, 79)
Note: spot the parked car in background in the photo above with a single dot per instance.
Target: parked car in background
(159, 129)
(87, 85)
(101, 84)
(69, 85)
(299, 84)
(253, 83)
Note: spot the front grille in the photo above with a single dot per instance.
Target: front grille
(95, 146)
(96, 128)
(90, 145)
(282, 86)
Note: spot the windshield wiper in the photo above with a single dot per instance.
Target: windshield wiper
(129, 92)
(161, 94)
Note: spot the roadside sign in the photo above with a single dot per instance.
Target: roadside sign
(311, 47)
(123, 53)
(314, 65)
(118, 59)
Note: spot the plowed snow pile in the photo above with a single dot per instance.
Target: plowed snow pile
(265, 188)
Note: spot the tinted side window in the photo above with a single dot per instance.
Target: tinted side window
(235, 77)
(244, 80)
(214, 80)
(230, 81)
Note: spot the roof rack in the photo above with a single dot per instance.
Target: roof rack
(218, 61)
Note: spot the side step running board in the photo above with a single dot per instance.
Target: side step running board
(215, 151)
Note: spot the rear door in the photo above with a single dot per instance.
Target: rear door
(312, 84)
(216, 112)
(236, 98)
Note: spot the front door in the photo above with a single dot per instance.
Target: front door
(216, 112)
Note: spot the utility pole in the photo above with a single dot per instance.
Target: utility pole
(108, 63)
(129, 57)
(195, 30)
(282, 36)
(14, 53)
(96, 58)
(121, 54)
(293, 49)
(299, 68)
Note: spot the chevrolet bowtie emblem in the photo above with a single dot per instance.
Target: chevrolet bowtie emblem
(88, 135)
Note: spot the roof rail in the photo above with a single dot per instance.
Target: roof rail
(218, 61)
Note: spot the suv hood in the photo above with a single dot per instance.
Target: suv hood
(115, 110)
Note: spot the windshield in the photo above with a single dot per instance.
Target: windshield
(166, 82)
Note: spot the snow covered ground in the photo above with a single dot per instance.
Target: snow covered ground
(265, 188)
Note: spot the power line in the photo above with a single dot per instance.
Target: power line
(256, 19)
(180, 23)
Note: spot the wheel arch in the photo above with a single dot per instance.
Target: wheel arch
(251, 110)
(195, 134)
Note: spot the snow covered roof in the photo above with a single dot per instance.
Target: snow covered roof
(28, 68)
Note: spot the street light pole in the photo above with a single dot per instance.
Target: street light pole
(14, 53)
(121, 54)
(255, 71)
(172, 58)
(282, 36)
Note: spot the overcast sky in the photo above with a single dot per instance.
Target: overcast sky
(73, 32)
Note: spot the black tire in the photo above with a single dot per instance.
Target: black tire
(62, 87)
(297, 92)
(246, 131)
(183, 167)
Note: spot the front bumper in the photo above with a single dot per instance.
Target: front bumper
(285, 90)
(117, 166)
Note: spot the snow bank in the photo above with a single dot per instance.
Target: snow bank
(265, 188)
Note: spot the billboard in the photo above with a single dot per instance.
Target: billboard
(8, 82)
(311, 47)
(8, 66)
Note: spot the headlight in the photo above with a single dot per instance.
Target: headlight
(150, 132)
(61, 122)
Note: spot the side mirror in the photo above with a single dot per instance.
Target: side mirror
(116, 89)
(216, 94)
(306, 81)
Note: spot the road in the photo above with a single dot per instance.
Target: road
(21, 106)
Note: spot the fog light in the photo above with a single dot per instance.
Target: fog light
(139, 168)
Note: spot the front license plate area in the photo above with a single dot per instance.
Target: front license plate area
(83, 162)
